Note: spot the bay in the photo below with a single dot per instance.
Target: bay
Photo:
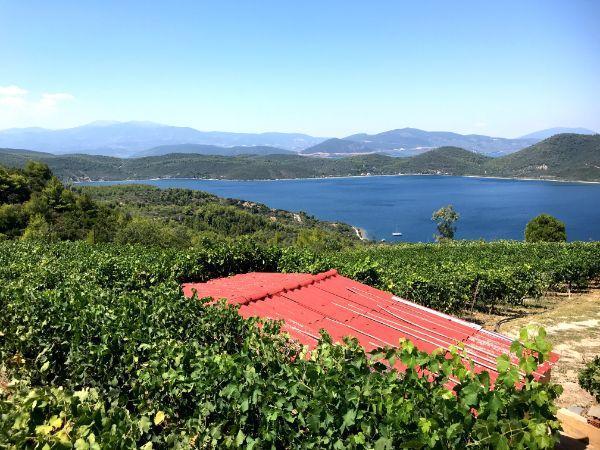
(489, 208)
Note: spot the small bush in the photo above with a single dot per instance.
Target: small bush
(589, 378)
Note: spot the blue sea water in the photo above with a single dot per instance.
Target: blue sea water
(489, 208)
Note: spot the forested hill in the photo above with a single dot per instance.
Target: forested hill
(566, 156)
(218, 217)
(214, 150)
(36, 205)
(446, 160)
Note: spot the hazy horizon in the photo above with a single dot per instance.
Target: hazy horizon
(101, 122)
(324, 69)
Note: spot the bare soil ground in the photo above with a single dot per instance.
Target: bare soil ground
(573, 326)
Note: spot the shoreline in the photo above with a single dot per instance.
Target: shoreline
(483, 177)
(361, 233)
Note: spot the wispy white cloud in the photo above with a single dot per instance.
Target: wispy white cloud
(51, 100)
(12, 101)
(17, 105)
(12, 91)
(12, 98)
(16, 96)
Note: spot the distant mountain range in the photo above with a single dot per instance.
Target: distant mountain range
(135, 139)
(544, 134)
(412, 141)
(127, 139)
(563, 157)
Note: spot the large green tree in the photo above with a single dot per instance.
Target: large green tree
(545, 228)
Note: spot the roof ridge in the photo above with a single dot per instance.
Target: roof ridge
(289, 287)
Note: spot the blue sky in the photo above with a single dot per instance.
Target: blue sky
(328, 68)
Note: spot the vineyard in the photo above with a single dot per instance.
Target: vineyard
(99, 349)
(454, 277)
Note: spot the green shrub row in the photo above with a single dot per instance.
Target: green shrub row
(455, 276)
(451, 277)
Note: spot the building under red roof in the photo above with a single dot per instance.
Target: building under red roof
(344, 307)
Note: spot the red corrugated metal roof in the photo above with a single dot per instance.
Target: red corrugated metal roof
(344, 307)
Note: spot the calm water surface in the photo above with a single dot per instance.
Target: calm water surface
(489, 208)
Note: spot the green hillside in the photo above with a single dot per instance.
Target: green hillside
(13, 157)
(34, 205)
(219, 218)
(446, 160)
(81, 167)
(247, 167)
(566, 156)
(214, 150)
(338, 146)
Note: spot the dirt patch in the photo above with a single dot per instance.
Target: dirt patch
(573, 327)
